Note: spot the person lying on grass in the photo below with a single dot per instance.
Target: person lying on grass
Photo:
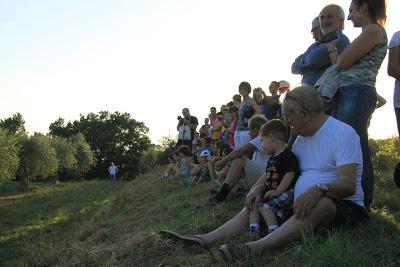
(327, 193)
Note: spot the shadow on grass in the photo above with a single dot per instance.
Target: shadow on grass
(36, 221)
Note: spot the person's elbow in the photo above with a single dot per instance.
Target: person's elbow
(342, 63)
(349, 189)
(391, 70)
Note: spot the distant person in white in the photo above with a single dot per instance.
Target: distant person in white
(112, 170)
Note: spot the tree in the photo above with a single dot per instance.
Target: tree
(166, 147)
(37, 157)
(58, 128)
(112, 137)
(9, 160)
(84, 156)
(14, 125)
(65, 153)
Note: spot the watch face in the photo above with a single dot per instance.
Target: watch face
(323, 187)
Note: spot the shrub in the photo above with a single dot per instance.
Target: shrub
(9, 160)
(148, 159)
(385, 153)
(38, 157)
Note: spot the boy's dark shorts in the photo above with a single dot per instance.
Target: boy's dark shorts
(349, 213)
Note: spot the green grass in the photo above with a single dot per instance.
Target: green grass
(125, 233)
(33, 224)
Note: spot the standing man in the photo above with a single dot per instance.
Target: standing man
(112, 170)
(187, 125)
(312, 63)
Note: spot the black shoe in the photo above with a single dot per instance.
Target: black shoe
(188, 241)
(212, 201)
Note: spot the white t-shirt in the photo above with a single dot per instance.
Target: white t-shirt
(333, 145)
(112, 170)
(395, 41)
(259, 155)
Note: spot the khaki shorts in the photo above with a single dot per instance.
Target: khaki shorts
(252, 171)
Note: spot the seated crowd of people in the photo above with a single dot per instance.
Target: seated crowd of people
(199, 152)
(301, 155)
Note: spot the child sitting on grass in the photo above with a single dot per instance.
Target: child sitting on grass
(200, 172)
(173, 167)
(281, 174)
(186, 162)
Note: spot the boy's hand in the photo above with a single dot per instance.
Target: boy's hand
(272, 193)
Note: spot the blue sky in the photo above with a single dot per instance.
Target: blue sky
(152, 58)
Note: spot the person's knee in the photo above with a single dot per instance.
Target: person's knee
(327, 208)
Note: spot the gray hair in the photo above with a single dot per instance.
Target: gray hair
(339, 12)
(256, 121)
(304, 97)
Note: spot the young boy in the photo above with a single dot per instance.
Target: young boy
(200, 172)
(281, 175)
(186, 162)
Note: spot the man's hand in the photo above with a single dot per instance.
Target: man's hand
(306, 202)
(253, 196)
(272, 193)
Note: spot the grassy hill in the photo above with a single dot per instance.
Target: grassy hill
(125, 233)
(68, 231)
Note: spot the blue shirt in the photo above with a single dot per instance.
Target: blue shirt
(316, 60)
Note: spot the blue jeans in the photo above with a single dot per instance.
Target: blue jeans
(354, 105)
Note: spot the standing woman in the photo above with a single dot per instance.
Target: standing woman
(394, 71)
(248, 107)
(356, 98)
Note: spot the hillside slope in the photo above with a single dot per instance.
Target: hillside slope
(126, 232)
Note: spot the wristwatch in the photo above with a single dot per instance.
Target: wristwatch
(331, 49)
(323, 188)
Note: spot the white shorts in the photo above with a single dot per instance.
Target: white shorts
(252, 171)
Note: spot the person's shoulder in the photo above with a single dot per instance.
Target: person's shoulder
(395, 40)
(256, 142)
(340, 129)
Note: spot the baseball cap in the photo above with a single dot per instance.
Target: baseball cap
(205, 153)
(284, 84)
(315, 24)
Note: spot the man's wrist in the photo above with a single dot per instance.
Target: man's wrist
(323, 188)
(331, 49)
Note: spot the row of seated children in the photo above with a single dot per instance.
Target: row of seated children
(198, 167)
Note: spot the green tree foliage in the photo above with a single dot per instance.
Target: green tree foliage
(385, 153)
(84, 156)
(166, 147)
(113, 137)
(15, 125)
(65, 152)
(38, 158)
(9, 160)
(148, 159)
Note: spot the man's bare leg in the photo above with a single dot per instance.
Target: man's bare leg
(321, 215)
(235, 225)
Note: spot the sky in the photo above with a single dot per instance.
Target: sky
(151, 58)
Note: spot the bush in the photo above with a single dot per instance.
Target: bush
(84, 156)
(65, 152)
(38, 157)
(9, 160)
(148, 159)
(166, 147)
(385, 153)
